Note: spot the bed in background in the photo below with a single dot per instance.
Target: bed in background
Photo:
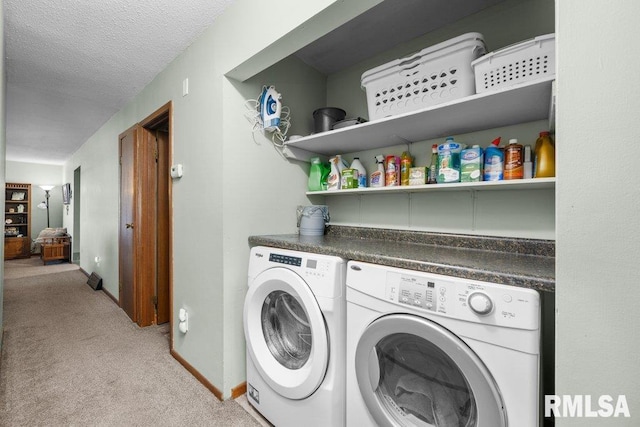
(55, 244)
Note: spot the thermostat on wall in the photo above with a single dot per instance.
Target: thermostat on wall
(176, 171)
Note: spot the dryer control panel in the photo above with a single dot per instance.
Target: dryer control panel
(325, 274)
(285, 259)
(308, 266)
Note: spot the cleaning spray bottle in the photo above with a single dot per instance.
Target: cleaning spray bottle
(333, 180)
(377, 177)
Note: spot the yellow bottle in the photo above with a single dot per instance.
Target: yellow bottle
(545, 157)
(405, 164)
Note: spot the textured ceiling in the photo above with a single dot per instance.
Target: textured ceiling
(72, 64)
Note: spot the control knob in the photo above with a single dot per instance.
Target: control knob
(480, 303)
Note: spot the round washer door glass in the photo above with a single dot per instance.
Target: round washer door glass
(287, 338)
(286, 329)
(413, 372)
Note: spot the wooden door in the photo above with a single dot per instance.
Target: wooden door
(126, 227)
(145, 220)
(163, 228)
(146, 172)
(138, 219)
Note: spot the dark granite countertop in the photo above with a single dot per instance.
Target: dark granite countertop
(527, 263)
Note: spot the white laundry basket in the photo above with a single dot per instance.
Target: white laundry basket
(434, 75)
(519, 63)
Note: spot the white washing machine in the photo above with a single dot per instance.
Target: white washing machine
(432, 350)
(295, 326)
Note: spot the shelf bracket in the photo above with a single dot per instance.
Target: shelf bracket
(398, 140)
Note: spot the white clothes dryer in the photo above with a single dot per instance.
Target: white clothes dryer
(432, 350)
(295, 325)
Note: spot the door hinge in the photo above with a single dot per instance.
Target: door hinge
(155, 153)
(120, 286)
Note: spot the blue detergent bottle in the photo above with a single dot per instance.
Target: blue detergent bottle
(493, 162)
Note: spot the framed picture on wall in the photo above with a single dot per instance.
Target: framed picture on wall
(66, 194)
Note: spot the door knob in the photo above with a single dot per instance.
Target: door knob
(129, 225)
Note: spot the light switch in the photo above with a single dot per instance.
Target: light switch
(185, 87)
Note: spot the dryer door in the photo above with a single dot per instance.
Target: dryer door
(286, 334)
(413, 372)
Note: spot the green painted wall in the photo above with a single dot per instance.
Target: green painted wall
(597, 317)
(235, 184)
(3, 145)
(528, 214)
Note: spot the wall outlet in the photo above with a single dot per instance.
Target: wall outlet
(176, 171)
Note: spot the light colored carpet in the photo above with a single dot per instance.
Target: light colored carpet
(17, 268)
(72, 357)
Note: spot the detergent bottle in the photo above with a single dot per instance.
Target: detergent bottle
(342, 163)
(493, 162)
(316, 171)
(362, 172)
(545, 157)
(449, 161)
(377, 178)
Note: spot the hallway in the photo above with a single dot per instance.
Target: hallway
(70, 356)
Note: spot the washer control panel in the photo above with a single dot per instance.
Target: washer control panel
(418, 291)
(460, 298)
(480, 303)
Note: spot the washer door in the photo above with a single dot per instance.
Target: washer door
(413, 372)
(286, 335)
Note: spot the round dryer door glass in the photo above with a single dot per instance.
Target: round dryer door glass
(286, 329)
(413, 372)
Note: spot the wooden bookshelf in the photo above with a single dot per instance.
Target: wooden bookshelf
(17, 221)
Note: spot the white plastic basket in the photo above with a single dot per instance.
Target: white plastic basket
(521, 62)
(432, 76)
